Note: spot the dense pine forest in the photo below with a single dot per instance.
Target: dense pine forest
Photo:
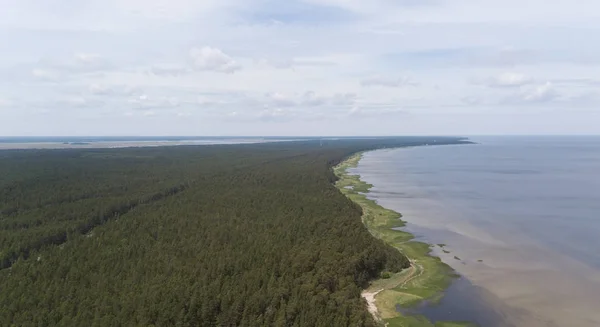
(222, 235)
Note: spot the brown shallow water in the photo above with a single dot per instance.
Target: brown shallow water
(531, 256)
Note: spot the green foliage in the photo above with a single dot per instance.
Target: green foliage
(232, 235)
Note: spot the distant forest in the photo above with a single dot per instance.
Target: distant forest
(221, 235)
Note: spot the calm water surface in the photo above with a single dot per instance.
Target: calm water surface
(522, 213)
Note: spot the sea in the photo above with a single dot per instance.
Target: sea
(519, 216)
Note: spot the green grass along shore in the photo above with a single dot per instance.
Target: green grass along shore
(427, 277)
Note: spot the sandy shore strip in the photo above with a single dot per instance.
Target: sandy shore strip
(370, 298)
(427, 277)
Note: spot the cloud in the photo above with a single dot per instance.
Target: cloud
(344, 99)
(146, 103)
(100, 89)
(311, 98)
(471, 100)
(280, 100)
(295, 61)
(45, 75)
(276, 114)
(75, 101)
(184, 114)
(296, 12)
(585, 82)
(543, 93)
(113, 90)
(276, 63)
(213, 59)
(220, 101)
(292, 63)
(80, 63)
(387, 81)
(355, 111)
(506, 80)
(505, 56)
(61, 69)
(168, 10)
(88, 58)
(5, 102)
(540, 93)
(168, 69)
(467, 56)
(372, 112)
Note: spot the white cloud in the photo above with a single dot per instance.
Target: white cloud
(213, 59)
(79, 63)
(184, 114)
(344, 99)
(45, 75)
(169, 10)
(146, 103)
(65, 68)
(471, 100)
(276, 63)
(276, 114)
(71, 102)
(280, 100)
(578, 81)
(113, 90)
(535, 95)
(322, 59)
(373, 112)
(354, 111)
(387, 81)
(291, 63)
(99, 89)
(507, 80)
(76, 101)
(168, 69)
(540, 93)
(311, 98)
(88, 58)
(5, 102)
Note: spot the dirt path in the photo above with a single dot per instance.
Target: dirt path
(370, 297)
(411, 275)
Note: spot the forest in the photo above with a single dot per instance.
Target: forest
(212, 235)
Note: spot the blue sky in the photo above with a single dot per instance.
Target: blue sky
(302, 67)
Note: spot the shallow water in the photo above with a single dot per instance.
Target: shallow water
(527, 207)
(461, 302)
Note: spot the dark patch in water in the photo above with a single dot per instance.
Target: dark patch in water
(461, 302)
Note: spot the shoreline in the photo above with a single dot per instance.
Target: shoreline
(449, 196)
(426, 279)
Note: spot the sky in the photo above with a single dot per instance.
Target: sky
(299, 67)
